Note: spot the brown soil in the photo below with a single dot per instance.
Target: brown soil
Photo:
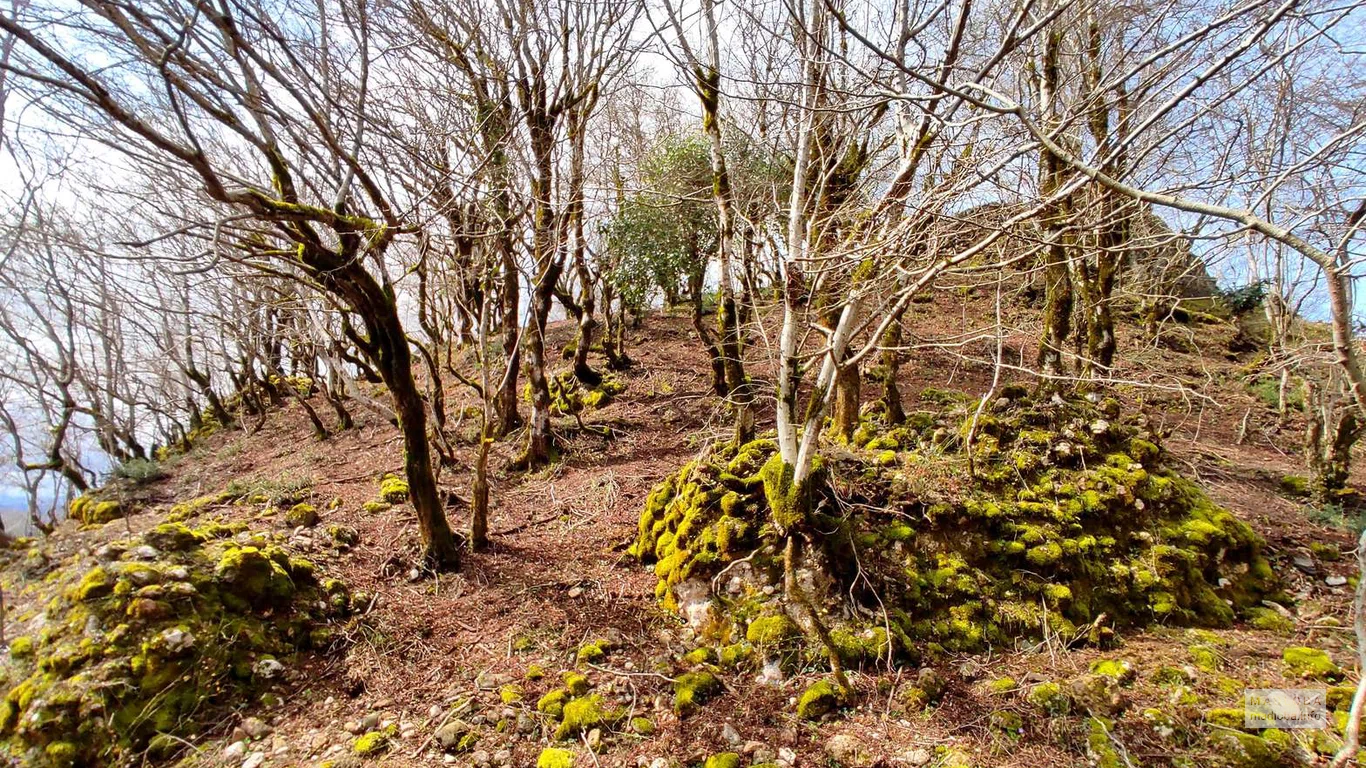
(558, 574)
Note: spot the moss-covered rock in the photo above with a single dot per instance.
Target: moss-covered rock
(819, 699)
(374, 743)
(91, 509)
(584, 714)
(552, 703)
(1225, 717)
(135, 656)
(1269, 620)
(1073, 512)
(1310, 663)
(576, 683)
(927, 690)
(571, 397)
(723, 760)
(592, 652)
(1050, 698)
(1236, 749)
(551, 757)
(771, 632)
(302, 514)
(1119, 670)
(693, 689)
(393, 489)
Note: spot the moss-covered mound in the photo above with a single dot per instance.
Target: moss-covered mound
(153, 639)
(1069, 513)
(90, 509)
(570, 397)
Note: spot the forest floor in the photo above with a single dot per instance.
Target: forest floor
(558, 575)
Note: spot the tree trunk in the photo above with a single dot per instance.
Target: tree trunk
(889, 367)
(699, 324)
(479, 503)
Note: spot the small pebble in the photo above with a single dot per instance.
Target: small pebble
(1335, 580)
(575, 591)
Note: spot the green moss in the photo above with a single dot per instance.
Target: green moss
(1050, 698)
(1044, 554)
(1269, 620)
(698, 656)
(818, 700)
(769, 632)
(96, 583)
(1099, 527)
(734, 655)
(1205, 657)
(593, 652)
(373, 743)
(584, 714)
(555, 758)
(693, 689)
(552, 703)
(643, 726)
(1119, 670)
(1339, 697)
(510, 693)
(1236, 749)
(786, 501)
(1001, 685)
(1170, 675)
(302, 514)
(173, 537)
(723, 760)
(256, 575)
(1099, 746)
(1225, 717)
(1310, 663)
(576, 683)
(1006, 722)
(21, 647)
(1295, 485)
(375, 507)
(61, 754)
(393, 489)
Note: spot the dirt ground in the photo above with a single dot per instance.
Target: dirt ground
(558, 575)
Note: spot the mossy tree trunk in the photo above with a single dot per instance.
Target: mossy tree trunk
(549, 260)
(587, 303)
(1058, 294)
(1112, 231)
(719, 383)
(707, 78)
(887, 370)
(1333, 427)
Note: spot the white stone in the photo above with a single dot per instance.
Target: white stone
(254, 760)
(917, 756)
(177, 640)
(1335, 580)
(268, 669)
(235, 750)
(771, 674)
(255, 728)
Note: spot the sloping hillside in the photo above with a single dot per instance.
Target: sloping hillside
(464, 668)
